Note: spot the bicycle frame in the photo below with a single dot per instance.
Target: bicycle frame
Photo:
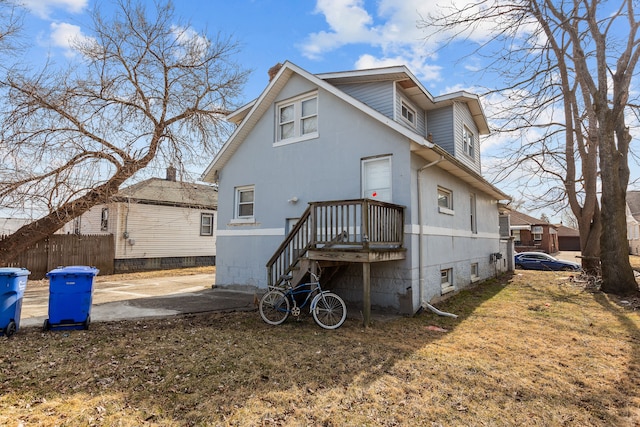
(311, 289)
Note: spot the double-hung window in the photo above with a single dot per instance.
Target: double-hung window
(468, 142)
(244, 203)
(206, 224)
(297, 119)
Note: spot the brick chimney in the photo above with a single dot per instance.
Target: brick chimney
(274, 70)
(171, 173)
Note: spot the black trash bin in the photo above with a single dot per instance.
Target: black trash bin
(70, 297)
(13, 282)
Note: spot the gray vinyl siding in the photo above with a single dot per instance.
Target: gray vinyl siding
(463, 118)
(441, 128)
(420, 116)
(377, 95)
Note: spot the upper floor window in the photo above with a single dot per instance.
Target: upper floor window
(297, 119)
(468, 141)
(244, 202)
(206, 224)
(408, 113)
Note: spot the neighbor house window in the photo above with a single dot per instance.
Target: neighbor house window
(104, 219)
(376, 178)
(244, 202)
(206, 224)
(408, 113)
(77, 225)
(445, 200)
(468, 141)
(472, 209)
(537, 232)
(446, 284)
(297, 119)
(516, 236)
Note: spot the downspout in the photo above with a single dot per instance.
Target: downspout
(424, 304)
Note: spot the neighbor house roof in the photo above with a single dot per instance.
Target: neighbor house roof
(633, 202)
(564, 231)
(167, 192)
(248, 115)
(521, 220)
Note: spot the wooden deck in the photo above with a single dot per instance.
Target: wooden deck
(340, 232)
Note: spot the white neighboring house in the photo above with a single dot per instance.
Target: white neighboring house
(365, 173)
(157, 224)
(11, 225)
(633, 221)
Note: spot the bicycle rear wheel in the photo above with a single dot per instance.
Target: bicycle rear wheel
(329, 310)
(274, 307)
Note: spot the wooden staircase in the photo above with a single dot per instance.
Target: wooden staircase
(335, 233)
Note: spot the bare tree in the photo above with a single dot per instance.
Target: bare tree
(144, 86)
(573, 60)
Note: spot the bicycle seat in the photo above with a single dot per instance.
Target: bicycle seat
(286, 277)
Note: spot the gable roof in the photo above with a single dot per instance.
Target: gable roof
(522, 219)
(159, 191)
(248, 115)
(564, 231)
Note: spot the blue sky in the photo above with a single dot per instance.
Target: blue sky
(320, 36)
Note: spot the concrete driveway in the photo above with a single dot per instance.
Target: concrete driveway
(140, 298)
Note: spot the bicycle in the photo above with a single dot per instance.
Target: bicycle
(328, 309)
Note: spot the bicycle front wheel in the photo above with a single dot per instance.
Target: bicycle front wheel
(329, 310)
(274, 307)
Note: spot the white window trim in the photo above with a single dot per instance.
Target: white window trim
(237, 219)
(448, 210)
(447, 286)
(469, 149)
(297, 119)
(206, 215)
(404, 103)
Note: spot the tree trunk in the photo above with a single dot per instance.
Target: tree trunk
(590, 231)
(617, 274)
(36, 231)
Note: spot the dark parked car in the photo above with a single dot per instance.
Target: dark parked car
(542, 261)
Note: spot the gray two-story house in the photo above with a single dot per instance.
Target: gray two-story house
(364, 175)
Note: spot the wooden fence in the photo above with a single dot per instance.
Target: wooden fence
(65, 250)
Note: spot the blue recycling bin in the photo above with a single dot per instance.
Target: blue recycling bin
(70, 297)
(13, 282)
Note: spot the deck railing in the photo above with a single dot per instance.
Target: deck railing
(360, 224)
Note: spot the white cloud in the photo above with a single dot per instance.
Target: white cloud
(193, 45)
(64, 36)
(43, 8)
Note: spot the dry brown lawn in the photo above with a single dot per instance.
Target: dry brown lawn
(533, 349)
